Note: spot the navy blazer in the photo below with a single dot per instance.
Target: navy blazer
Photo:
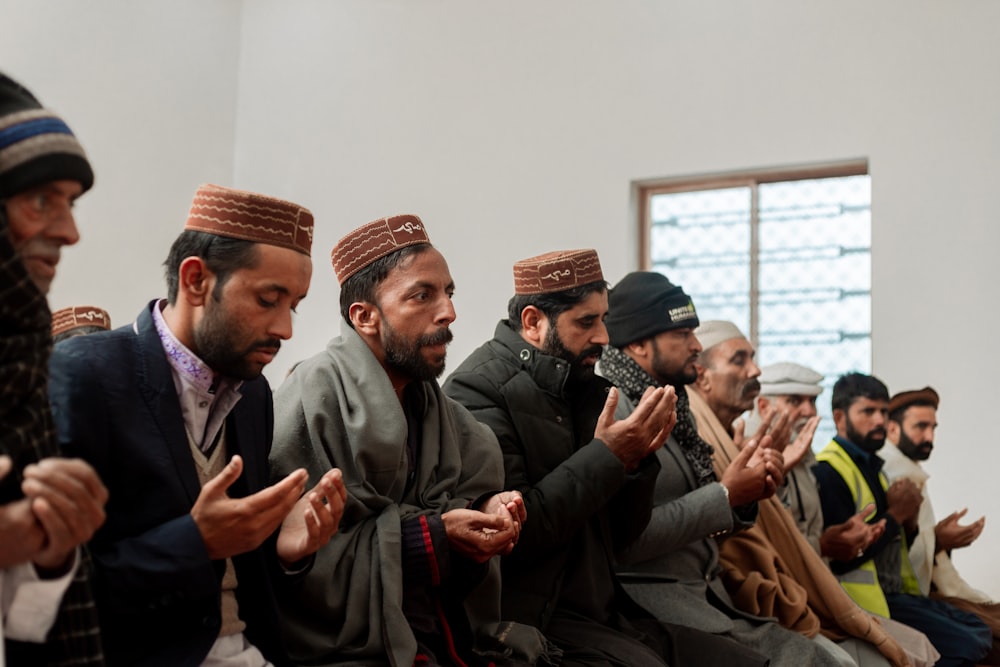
(158, 593)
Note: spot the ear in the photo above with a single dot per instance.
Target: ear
(365, 318)
(763, 402)
(534, 325)
(194, 281)
(840, 421)
(702, 383)
(892, 430)
(641, 349)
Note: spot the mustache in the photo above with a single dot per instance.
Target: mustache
(751, 386)
(442, 336)
(878, 430)
(269, 344)
(595, 351)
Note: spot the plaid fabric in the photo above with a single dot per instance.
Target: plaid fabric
(28, 434)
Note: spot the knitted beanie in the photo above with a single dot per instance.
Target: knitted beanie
(643, 304)
(36, 146)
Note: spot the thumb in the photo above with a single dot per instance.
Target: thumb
(5, 466)
(743, 458)
(866, 512)
(960, 513)
(610, 405)
(221, 482)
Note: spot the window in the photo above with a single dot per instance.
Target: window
(785, 255)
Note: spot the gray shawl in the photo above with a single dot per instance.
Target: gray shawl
(338, 409)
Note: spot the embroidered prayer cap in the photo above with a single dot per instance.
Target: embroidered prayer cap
(645, 303)
(788, 379)
(556, 271)
(904, 399)
(713, 332)
(375, 240)
(36, 146)
(250, 216)
(75, 317)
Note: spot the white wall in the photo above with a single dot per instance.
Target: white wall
(516, 128)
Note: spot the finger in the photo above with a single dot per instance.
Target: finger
(76, 470)
(59, 532)
(607, 416)
(809, 430)
(867, 512)
(650, 400)
(278, 499)
(739, 431)
(742, 459)
(493, 522)
(67, 497)
(219, 484)
(5, 466)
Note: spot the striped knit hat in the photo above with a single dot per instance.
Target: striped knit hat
(374, 241)
(556, 271)
(36, 146)
(75, 317)
(250, 216)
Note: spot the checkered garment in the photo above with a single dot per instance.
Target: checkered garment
(27, 434)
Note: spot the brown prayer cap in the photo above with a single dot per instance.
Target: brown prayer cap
(374, 241)
(905, 399)
(250, 216)
(556, 271)
(75, 317)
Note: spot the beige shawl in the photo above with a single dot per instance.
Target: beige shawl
(770, 569)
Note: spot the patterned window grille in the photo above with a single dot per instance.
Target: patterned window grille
(784, 255)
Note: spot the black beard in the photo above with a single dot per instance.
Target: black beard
(578, 370)
(404, 356)
(666, 378)
(912, 450)
(868, 442)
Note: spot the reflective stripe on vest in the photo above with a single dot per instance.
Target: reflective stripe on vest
(862, 583)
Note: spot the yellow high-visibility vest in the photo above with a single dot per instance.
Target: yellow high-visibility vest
(862, 582)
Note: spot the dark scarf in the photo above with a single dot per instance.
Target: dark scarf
(27, 434)
(631, 379)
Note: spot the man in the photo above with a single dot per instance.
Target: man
(159, 406)
(79, 321)
(769, 569)
(48, 505)
(587, 478)
(410, 579)
(672, 570)
(793, 388)
(881, 578)
(909, 440)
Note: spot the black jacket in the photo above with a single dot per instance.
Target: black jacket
(582, 505)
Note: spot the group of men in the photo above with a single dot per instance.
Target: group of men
(532, 511)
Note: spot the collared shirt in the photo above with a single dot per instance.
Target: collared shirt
(206, 398)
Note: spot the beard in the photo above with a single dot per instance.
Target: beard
(578, 370)
(674, 377)
(406, 358)
(913, 451)
(219, 342)
(870, 442)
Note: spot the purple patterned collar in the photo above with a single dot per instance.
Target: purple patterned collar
(184, 362)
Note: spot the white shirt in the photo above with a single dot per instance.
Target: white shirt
(29, 604)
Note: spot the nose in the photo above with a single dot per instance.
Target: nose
(446, 314)
(281, 325)
(64, 229)
(754, 369)
(600, 336)
(808, 409)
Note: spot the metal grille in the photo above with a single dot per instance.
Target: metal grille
(789, 262)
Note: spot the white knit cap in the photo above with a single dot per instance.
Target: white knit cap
(713, 332)
(788, 379)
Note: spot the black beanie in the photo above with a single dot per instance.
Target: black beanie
(36, 146)
(643, 304)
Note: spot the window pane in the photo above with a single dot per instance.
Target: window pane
(815, 279)
(701, 241)
(814, 269)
